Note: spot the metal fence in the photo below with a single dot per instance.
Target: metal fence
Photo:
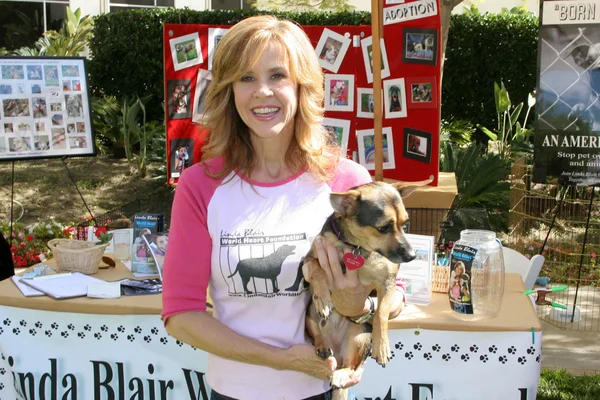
(571, 256)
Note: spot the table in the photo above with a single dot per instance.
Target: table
(117, 349)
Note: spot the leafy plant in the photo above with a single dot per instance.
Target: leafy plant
(511, 139)
(71, 40)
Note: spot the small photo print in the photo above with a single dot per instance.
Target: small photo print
(80, 127)
(214, 37)
(331, 49)
(40, 126)
(423, 92)
(34, 73)
(366, 148)
(74, 105)
(420, 46)
(56, 107)
(365, 103)
(339, 131)
(76, 85)
(202, 81)
(367, 51)
(41, 143)
(70, 71)
(5, 89)
(10, 72)
(21, 88)
(57, 119)
(23, 128)
(339, 92)
(16, 107)
(59, 138)
(179, 99)
(186, 51)
(51, 75)
(39, 107)
(71, 129)
(417, 145)
(77, 142)
(36, 89)
(66, 85)
(181, 157)
(9, 128)
(394, 96)
(19, 144)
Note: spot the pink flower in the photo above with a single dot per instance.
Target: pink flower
(593, 254)
(528, 256)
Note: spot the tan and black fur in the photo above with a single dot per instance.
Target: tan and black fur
(368, 219)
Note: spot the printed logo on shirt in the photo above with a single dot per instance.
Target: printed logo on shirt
(253, 264)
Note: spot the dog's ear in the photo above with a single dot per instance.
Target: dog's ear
(344, 203)
(406, 188)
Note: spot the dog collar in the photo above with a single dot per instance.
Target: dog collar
(353, 260)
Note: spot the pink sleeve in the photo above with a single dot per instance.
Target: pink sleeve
(348, 175)
(401, 287)
(186, 271)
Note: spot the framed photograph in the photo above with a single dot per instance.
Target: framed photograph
(422, 92)
(365, 103)
(37, 112)
(420, 46)
(417, 145)
(214, 37)
(394, 98)
(339, 129)
(186, 51)
(367, 51)
(179, 99)
(181, 156)
(339, 92)
(202, 81)
(366, 148)
(331, 49)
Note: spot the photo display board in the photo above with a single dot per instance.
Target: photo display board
(567, 138)
(45, 108)
(410, 55)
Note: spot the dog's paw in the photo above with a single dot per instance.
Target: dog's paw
(324, 353)
(340, 378)
(381, 352)
(323, 305)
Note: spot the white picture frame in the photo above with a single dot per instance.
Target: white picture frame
(214, 37)
(202, 81)
(366, 45)
(339, 92)
(366, 151)
(394, 98)
(331, 49)
(341, 131)
(186, 51)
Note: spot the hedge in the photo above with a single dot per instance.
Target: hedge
(126, 54)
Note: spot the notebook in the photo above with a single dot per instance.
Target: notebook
(62, 286)
(27, 290)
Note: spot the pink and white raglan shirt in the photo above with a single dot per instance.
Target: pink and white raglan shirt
(246, 244)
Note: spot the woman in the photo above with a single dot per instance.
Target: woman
(246, 215)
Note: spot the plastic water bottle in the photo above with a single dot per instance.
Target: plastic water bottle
(476, 283)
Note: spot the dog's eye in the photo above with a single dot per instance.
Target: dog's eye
(385, 229)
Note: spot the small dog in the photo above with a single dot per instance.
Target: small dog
(395, 99)
(337, 93)
(330, 52)
(369, 219)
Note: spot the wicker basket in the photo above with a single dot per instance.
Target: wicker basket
(77, 255)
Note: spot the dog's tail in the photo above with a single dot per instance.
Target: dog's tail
(236, 270)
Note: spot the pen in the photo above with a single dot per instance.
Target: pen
(52, 276)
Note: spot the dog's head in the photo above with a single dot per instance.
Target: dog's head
(331, 52)
(338, 88)
(372, 217)
(394, 92)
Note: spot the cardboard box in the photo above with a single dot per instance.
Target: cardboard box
(440, 196)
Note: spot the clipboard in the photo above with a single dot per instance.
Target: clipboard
(63, 286)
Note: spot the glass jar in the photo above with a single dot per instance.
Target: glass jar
(476, 282)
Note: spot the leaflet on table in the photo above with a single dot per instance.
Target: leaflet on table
(416, 274)
(150, 227)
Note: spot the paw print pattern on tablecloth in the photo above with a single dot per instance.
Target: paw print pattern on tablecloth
(54, 326)
(23, 323)
(121, 329)
(154, 331)
(493, 349)
(6, 322)
(114, 336)
(512, 350)
(1, 330)
(427, 356)
(538, 359)
(164, 340)
(408, 355)
(503, 359)
(465, 357)
(87, 327)
(147, 339)
(71, 327)
(16, 331)
(522, 360)
(455, 348)
(399, 346)
(418, 346)
(483, 358)
(38, 325)
(81, 335)
(104, 328)
(2, 371)
(436, 348)
(179, 342)
(48, 333)
(64, 334)
(98, 335)
(32, 332)
(446, 357)
(474, 349)
(130, 337)
(137, 330)
(531, 350)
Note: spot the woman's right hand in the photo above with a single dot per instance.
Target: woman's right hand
(304, 358)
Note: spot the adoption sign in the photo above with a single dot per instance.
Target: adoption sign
(568, 94)
(67, 356)
(409, 11)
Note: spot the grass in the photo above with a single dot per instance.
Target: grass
(560, 385)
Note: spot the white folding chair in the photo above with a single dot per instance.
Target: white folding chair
(529, 269)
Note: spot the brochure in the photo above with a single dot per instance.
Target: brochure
(416, 274)
(147, 228)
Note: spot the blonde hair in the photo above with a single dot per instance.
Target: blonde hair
(237, 52)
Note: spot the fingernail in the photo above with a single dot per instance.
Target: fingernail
(319, 240)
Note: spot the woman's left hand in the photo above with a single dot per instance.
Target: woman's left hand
(347, 293)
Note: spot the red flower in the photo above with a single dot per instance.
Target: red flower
(13, 248)
(22, 245)
(37, 259)
(29, 238)
(100, 230)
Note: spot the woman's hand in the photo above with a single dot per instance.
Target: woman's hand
(347, 293)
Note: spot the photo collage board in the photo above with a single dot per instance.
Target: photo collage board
(44, 108)
(410, 50)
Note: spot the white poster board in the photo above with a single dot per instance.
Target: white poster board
(45, 109)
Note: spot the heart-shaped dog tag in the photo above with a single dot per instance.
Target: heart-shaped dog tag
(353, 262)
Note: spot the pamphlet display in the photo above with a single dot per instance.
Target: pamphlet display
(148, 236)
(416, 274)
(45, 108)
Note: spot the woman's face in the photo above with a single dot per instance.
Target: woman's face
(161, 242)
(266, 96)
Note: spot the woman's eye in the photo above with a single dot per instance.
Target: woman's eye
(247, 78)
(278, 76)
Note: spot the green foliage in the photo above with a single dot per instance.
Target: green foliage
(71, 40)
(483, 49)
(559, 385)
(303, 5)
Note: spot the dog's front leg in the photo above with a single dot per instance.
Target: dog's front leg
(381, 344)
(321, 295)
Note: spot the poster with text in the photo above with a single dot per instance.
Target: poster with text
(45, 108)
(567, 138)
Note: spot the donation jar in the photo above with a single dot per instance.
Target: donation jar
(476, 285)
